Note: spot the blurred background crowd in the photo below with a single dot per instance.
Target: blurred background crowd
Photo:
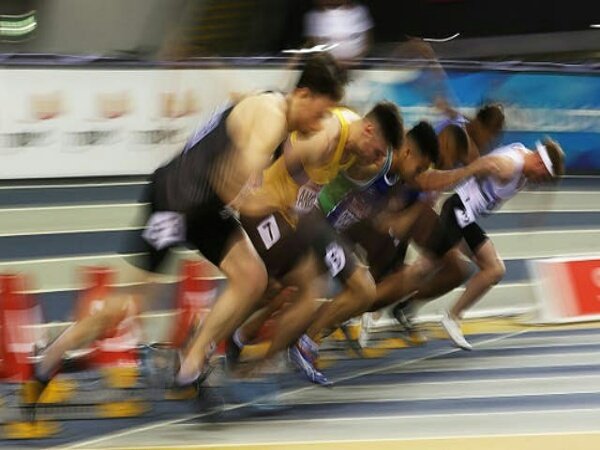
(535, 30)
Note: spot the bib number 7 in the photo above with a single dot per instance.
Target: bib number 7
(269, 231)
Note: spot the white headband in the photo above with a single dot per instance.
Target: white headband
(543, 152)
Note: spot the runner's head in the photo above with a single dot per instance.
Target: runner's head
(454, 147)
(546, 164)
(320, 87)
(487, 125)
(419, 151)
(382, 130)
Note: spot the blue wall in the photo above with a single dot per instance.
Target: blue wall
(565, 106)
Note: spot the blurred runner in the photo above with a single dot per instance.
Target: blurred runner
(188, 201)
(516, 165)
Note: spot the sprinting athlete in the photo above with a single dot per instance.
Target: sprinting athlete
(188, 201)
(475, 197)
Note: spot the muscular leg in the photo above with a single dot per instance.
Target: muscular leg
(453, 272)
(295, 319)
(355, 299)
(246, 282)
(449, 272)
(395, 286)
(114, 309)
(491, 271)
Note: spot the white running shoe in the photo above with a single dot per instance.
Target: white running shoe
(452, 327)
(365, 323)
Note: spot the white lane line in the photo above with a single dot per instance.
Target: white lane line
(69, 258)
(274, 444)
(512, 379)
(293, 391)
(537, 232)
(182, 252)
(406, 417)
(67, 207)
(166, 280)
(93, 230)
(560, 341)
(76, 185)
(503, 362)
(593, 190)
(560, 191)
(540, 211)
(562, 255)
(413, 398)
(537, 347)
(153, 315)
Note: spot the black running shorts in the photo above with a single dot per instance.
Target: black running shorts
(473, 234)
(209, 227)
(281, 246)
(384, 253)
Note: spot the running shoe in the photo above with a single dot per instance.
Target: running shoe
(307, 367)
(354, 344)
(233, 350)
(401, 313)
(452, 327)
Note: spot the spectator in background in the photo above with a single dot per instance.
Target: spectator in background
(343, 25)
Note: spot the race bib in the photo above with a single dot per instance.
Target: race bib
(345, 220)
(164, 228)
(269, 232)
(335, 258)
(464, 217)
(307, 196)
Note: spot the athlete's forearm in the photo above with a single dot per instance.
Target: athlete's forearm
(249, 205)
(437, 180)
(401, 223)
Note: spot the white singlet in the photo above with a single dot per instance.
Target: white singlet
(481, 196)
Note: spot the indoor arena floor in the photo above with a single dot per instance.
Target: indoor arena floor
(521, 388)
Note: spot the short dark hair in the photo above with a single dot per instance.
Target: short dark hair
(556, 155)
(460, 139)
(424, 135)
(323, 75)
(388, 117)
(491, 115)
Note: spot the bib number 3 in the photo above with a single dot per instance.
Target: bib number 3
(464, 217)
(335, 259)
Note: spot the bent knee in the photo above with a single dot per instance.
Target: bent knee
(497, 272)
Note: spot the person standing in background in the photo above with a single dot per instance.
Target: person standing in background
(343, 26)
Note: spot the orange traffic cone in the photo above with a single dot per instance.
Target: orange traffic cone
(195, 296)
(18, 312)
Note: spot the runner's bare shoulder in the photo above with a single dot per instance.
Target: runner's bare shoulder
(318, 147)
(263, 112)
